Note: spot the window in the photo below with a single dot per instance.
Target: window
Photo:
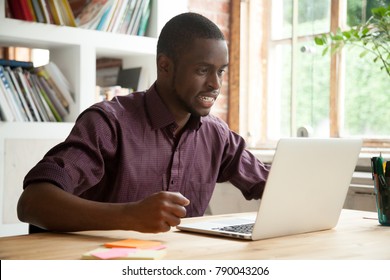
(289, 84)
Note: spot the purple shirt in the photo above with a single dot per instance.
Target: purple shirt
(125, 150)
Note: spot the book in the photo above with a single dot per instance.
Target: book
(137, 19)
(22, 98)
(53, 98)
(111, 16)
(16, 94)
(107, 70)
(118, 16)
(106, 77)
(127, 17)
(26, 12)
(134, 16)
(61, 81)
(144, 21)
(105, 62)
(41, 71)
(91, 14)
(5, 109)
(104, 18)
(45, 104)
(16, 63)
(38, 11)
(46, 11)
(77, 6)
(11, 96)
(31, 10)
(108, 12)
(61, 15)
(54, 11)
(35, 97)
(15, 9)
(66, 13)
(19, 72)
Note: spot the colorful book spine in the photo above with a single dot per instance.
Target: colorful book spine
(27, 94)
(16, 63)
(15, 84)
(9, 96)
(38, 11)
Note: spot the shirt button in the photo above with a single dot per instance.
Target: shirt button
(172, 182)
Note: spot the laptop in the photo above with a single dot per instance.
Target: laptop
(305, 191)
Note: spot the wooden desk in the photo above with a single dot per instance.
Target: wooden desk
(357, 236)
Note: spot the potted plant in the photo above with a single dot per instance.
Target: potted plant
(373, 36)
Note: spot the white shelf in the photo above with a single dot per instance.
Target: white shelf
(49, 36)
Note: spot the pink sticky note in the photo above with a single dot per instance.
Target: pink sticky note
(113, 253)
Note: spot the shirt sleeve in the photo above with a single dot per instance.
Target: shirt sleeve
(242, 168)
(78, 163)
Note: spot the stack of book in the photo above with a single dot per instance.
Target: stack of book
(116, 16)
(57, 12)
(29, 94)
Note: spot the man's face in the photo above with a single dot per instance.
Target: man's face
(198, 74)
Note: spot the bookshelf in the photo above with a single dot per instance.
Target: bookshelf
(75, 51)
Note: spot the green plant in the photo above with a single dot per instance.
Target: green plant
(373, 36)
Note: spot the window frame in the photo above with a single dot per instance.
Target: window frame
(238, 101)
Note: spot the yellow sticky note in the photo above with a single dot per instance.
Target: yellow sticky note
(133, 243)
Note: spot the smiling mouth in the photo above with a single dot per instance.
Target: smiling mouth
(207, 99)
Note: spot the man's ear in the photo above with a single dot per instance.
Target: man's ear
(164, 64)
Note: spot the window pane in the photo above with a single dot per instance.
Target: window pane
(359, 11)
(367, 97)
(312, 97)
(313, 17)
(281, 19)
(279, 92)
(366, 85)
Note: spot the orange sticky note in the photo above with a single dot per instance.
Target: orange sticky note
(132, 243)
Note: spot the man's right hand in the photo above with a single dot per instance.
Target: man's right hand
(158, 212)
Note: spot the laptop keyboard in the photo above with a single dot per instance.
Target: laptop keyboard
(245, 228)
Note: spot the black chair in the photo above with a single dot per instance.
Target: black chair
(35, 229)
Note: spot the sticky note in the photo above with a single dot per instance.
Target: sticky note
(132, 243)
(103, 253)
(113, 253)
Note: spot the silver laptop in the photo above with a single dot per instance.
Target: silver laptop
(305, 191)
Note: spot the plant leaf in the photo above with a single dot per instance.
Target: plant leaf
(319, 41)
(325, 51)
(363, 53)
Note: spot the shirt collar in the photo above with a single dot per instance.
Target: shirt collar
(159, 114)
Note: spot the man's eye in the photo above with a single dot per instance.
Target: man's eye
(221, 72)
(202, 71)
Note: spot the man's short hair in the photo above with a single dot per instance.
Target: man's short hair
(179, 33)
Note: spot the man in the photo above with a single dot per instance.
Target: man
(144, 161)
